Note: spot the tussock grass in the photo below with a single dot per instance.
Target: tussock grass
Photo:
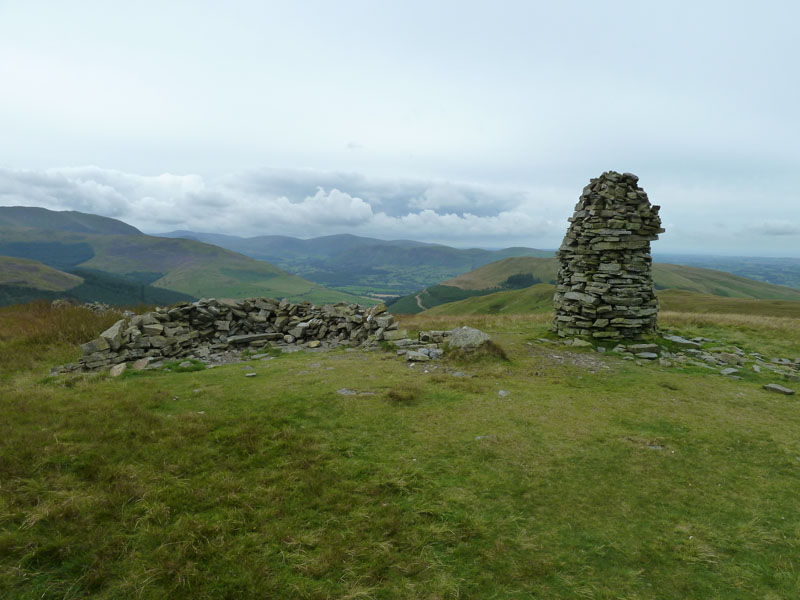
(37, 333)
(581, 481)
(755, 323)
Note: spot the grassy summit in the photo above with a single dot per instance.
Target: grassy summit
(592, 477)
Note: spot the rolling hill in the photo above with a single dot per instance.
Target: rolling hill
(539, 299)
(22, 272)
(494, 277)
(67, 220)
(193, 268)
(360, 264)
(23, 280)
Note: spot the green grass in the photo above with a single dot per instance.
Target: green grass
(583, 482)
(492, 277)
(539, 299)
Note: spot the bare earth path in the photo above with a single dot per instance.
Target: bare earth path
(419, 300)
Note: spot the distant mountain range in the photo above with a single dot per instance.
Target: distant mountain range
(86, 255)
(359, 264)
(100, 247)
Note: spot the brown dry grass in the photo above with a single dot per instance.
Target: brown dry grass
(754, 322)
(35, 332)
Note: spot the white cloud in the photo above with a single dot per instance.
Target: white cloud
(731, 219)
(268, 202)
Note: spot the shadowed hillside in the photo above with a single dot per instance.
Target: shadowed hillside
(69, 241)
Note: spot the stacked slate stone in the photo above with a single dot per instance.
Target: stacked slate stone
(605, 283)
(199, 328)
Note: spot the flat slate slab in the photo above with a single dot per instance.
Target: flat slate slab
(774, 387)
(682, 342)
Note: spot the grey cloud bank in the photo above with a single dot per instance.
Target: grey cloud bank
(305, 203)
(466, 123)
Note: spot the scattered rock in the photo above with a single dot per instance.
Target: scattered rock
(346, 392)
(579, 343)
(640, 348)
(681, 341)
(467, 338)
(729, 371)
(503, 393)
(774, 387)
(118, 370)
(250, 374)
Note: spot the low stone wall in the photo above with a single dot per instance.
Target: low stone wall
(216, 325)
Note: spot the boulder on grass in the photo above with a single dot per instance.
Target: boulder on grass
(467, 338)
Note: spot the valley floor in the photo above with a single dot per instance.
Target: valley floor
(560, 473)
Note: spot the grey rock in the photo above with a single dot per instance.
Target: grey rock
(729, 371)
(647, 355)
(638, 348)
(118, 370)
(467, 338)
(397, 334)
(774, 387)
(142, 363)
(253, 337)
(98, 345)
(681, 341)
(579, 343)
(113, 335)
(413, 356)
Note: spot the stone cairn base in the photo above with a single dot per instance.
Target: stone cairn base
(200, 328)
(605, 283)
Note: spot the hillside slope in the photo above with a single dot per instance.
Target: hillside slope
(490, 278)
(67, 220)
(361, 265)
(23, 272)
(185, 266)
(539, 299)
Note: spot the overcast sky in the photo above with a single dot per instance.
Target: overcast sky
(465, 123)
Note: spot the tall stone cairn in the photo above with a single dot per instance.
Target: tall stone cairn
(605, 282)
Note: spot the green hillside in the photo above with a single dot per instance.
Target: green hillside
(92, 286)
(495, 276)
(362, 265)
(185, 266)
(539, 299)
(22, 272)
(67, 220)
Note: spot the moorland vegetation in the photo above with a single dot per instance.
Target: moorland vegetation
(543, 470)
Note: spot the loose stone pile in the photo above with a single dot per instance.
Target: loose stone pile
(209, 326)
(605, 284)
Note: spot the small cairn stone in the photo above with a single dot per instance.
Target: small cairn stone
(605, 282)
